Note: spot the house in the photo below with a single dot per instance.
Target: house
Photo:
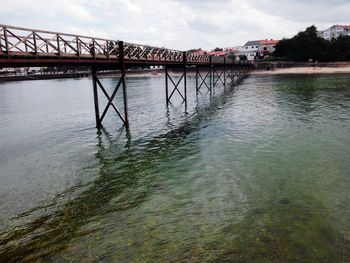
(219, 53)
(200, 52)
(335, 31)
(7, 71)
(223, 53)
(257, 48)
(267, 46)
(251, 45)
(250, 50)
(232, 49)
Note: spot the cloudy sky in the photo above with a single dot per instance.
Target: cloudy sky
(179, 24)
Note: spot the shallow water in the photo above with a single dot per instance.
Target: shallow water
(258, 172)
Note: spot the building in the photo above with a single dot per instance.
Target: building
(219, 53)
(223, 53)
(257, 48)
(267, 47)
(200, 52)
(335, 31)
(232, 49)
(250, 50)
(7, 71)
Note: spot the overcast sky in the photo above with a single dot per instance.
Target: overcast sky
(179, 24)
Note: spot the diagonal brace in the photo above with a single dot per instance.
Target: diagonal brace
(203, 81)
(175, 86)
(111, 98)
(218, 78)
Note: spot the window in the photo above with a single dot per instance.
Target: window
(246, 47)
(265, 48)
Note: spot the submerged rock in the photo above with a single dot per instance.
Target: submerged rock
(256, 211)
(284, 201)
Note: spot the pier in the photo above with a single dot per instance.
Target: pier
(23, 47)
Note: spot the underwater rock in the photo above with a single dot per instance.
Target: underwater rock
(256, 211)
(284, 201)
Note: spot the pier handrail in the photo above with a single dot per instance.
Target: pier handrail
(21, 41)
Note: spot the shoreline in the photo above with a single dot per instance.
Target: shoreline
(131, 74)
(303, 70)
(160, 73)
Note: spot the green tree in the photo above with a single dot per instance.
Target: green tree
(340, 50)
(232, 56)
(304, 46)
(194, 50)
(243, 58)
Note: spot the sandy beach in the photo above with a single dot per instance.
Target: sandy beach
(279, 71)
(304, 70)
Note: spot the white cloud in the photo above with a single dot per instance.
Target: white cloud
(180, 24)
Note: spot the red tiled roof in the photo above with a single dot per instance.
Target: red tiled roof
(231, 49)
(218, 53)
(200, 52)
(345, 26)
(269, 42)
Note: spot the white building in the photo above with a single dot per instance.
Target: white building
(335, 31)
(257, 48)
(250, 50)
(267, 46)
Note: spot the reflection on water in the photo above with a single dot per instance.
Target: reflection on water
(252, 173)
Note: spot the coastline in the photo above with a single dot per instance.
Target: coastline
(160, 73)
(131, 74)
(303, 70)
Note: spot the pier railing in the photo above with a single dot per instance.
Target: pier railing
(18, 41)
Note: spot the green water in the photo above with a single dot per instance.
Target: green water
(258, 172)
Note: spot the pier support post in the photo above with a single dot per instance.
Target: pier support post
(123, 69)
(94, 85)
(121, 83)
(176, 85)
(228, 71)
(166, 86)
(218, 77)
(203, 80)
(185, 74)
(197, 79)
(234, 73)
(211, 72)
(224, 71)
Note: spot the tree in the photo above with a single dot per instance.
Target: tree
(341, 48)
(232, 56)
(243, 58)
(308, 45)
(218, 49)
(194, 50)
